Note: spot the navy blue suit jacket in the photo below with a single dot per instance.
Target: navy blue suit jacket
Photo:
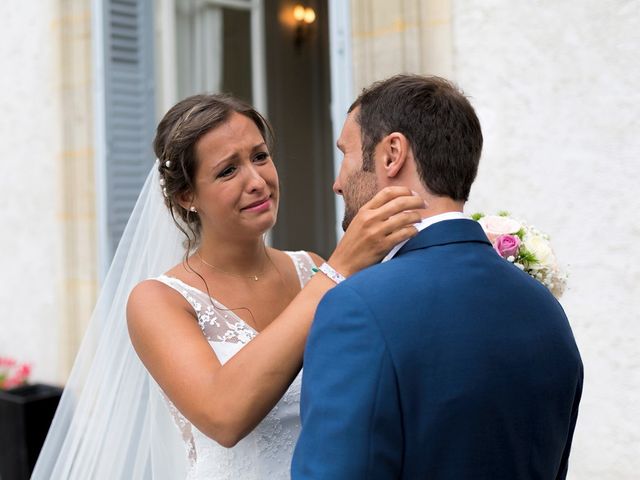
(446, 362)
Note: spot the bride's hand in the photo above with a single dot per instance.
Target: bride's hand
(383, 222)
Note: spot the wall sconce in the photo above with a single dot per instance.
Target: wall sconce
(304, 16)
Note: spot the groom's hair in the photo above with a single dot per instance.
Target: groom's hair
(437, 120)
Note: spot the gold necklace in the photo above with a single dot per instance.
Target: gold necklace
(254, 277)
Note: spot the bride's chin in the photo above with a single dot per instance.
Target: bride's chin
(266, 225)
(271, 224)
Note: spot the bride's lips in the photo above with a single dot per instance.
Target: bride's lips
(259, 206)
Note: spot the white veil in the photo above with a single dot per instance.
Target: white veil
(112, 421)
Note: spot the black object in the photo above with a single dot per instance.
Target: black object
(25, 416)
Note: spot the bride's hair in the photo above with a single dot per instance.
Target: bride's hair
(174, 145)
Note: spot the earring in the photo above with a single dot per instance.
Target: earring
(193, 209)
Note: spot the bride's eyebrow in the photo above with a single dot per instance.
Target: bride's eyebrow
(232, 157)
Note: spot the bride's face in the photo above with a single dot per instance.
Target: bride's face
(236, 184)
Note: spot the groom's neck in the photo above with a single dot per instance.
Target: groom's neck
(436, 204)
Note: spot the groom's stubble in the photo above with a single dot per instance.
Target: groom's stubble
(360, 187)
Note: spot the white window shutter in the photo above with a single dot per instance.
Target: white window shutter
(128, 108)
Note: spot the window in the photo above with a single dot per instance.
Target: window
(125, 117)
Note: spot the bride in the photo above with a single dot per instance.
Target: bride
(222, 331)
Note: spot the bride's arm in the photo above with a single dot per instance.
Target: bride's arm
(227, 401)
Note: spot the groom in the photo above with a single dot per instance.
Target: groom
(446, 362)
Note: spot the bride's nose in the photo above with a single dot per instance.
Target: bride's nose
(255, 181)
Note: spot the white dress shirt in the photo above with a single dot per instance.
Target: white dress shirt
(426, 222)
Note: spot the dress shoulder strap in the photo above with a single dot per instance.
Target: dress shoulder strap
(171, 282)
(196, 298)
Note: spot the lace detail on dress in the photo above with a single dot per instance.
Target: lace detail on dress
(185, 430)
(217, 322)
(266, 452)
(303, 264)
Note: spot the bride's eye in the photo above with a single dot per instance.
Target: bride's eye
(261, 157)
(227, 172)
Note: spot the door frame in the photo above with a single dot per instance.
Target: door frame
(341, 71)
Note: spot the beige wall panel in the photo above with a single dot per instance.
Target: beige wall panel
(78, 193)
(412, 36)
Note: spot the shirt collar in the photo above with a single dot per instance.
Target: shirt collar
(426, 222)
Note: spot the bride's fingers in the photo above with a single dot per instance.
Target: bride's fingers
(406, 218)
(399, 235)
(384, 221)
(383, 234)
(396, 206)
(374, 218)
(386, 195)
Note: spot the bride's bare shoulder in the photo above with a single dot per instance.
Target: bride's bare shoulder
(156, 291)
(148, 290)
(152, 296)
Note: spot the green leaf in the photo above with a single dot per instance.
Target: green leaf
(520, 234)
(477, 216)
(503, 213)
(526, 257)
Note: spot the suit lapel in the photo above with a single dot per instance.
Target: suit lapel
(446, 232)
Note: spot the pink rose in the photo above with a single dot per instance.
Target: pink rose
(496, 225)
(507, 245)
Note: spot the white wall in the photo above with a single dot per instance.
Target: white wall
(29, 147)
(556, 85)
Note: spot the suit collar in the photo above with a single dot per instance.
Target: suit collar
(446, 232)
(426, 222)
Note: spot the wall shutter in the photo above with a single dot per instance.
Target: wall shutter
(129, 109)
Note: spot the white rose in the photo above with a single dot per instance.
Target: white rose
(495, 225)
(541, 249)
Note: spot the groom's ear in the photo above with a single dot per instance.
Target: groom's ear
(395, 151)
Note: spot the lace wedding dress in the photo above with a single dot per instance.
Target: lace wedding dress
(266, 452)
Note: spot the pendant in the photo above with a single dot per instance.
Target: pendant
(255, 277)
